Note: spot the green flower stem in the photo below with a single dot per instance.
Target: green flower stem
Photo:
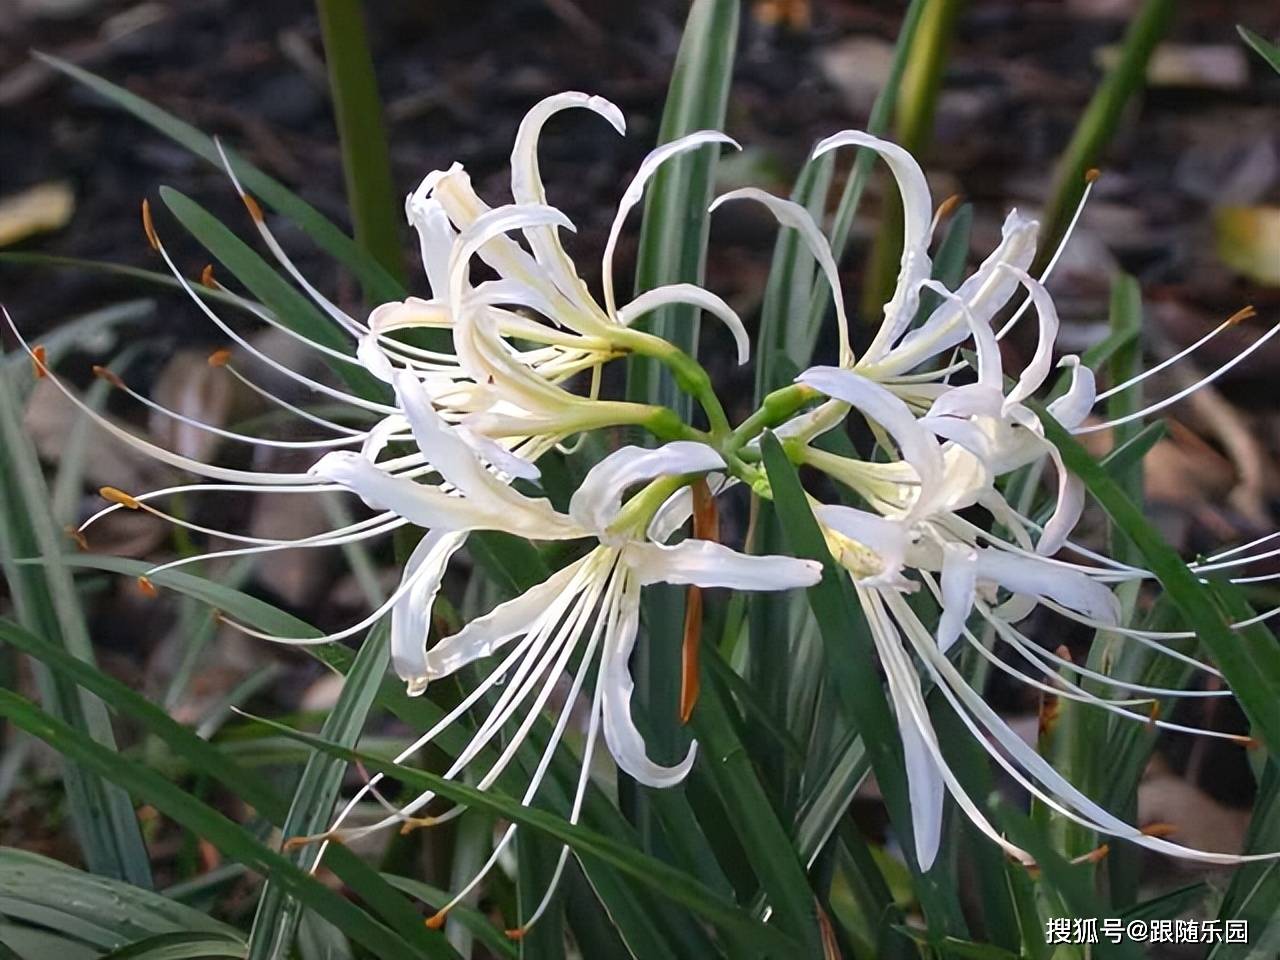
(776, 408)
(689, 375)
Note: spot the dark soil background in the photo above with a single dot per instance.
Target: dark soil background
(457, 77)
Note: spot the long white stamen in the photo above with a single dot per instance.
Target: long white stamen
(1185, 392)
(1164, 364)
(296, 410)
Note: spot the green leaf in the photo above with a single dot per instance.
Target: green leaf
(180, 946)
(1248, 661)
(1264, 48)
(366, 162)
(1100, 120)
(377, 282)
(216, 764)
(276, 920)
(673, 237)
(45, 600)
(289, 306)
(97, 910)
(232, 839)
(654, 874)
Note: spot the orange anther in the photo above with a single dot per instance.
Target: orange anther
(1092, 174)
(102, 373)
(148, 226)
(219, 358)
(947, 206)
(148, 588)
(515, 933)
(206, 277)
(39, 361)
(435, 921)
(1241, 315)
(1159, 830)
(120, 497)
(255, 211)
(78, 537)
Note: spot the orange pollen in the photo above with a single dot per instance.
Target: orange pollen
(148, 226)
(516, 933)
(948, 205)
(220, 358)
(1159, 830)
(78, 537)
(1241, 315)
(102, 373)
(436, 920)
(1092, 174)
(255, 211)
(39, 361)
(120, 497)
(295, 843)
(1094, 856)
(148, 588)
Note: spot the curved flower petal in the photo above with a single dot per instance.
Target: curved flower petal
(1020, 573)
(599, 497)
(1035, 372)
(959, 586)
(886, 538)
(527, 188)
(411, 615)
(918, 447)
(917, 210)
(651, 300)
(635, 192)
(705, 563)
(791, 214)
(1072, 407)
(505, 622)
(624, 740)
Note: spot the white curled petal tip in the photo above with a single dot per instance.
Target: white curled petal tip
(498, 456)
(689, 293)
(599, 497)
(373, 359)
(959, 587)
(1073, 407)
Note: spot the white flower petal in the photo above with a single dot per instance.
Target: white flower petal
(498, 456)
(709, 564)
(886, 538)
(503, 623)
(918, 447)
(527, 188)
(791, 214)
(1072, 407)
(599, 497)
(411, 615)
(959, 585)
(624, 740)
(673, 514)
(1035, 372)
(635, 192)
(373, 358)
(1022, 574)
(990, 370)
(651, 300)
(435, 236)
(917, 209)
(421, 505)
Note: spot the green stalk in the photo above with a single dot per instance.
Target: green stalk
(357, 109)
(1100, 119)
(918, 100)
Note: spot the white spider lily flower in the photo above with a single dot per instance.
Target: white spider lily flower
(589, 609)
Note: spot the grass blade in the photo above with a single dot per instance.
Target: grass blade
(180, 946)
(374, 278)
(366, 162)
(1100, 119)
(1264, 48)
(277, 917)
(45, 599)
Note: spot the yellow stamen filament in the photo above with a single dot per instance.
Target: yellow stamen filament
(120, 497)
(149, 226)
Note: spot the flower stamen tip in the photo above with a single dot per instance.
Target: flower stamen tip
(1092, 174)
(39, 361)
(220, 358)
(251, 205)
(436, 920)
(1241, 315)
(207, 278)
(148, 588)
(948, 206)
(1159, 830)
(119, 496)
(148, 226)
(516, 933)
(75, 534)
(102, 373)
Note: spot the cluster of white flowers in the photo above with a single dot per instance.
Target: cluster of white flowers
(456, 429)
